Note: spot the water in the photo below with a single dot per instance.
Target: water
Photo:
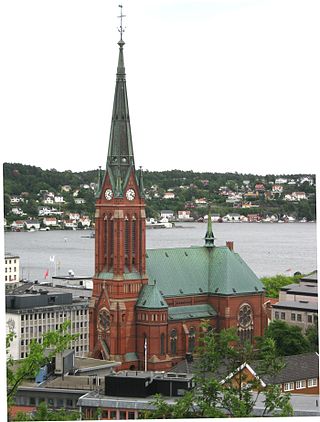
(268, 249)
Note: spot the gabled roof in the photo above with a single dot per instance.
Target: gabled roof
(200, 270)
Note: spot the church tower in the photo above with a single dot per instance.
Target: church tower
(120, 246)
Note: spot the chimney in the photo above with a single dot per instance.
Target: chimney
(229, 244)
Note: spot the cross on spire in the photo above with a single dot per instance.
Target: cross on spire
(121, 30)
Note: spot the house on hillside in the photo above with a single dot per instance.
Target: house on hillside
(169, 195)
(32, 224)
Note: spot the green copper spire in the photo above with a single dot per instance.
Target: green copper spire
(120, 153)
(99, 183)
(209, 238)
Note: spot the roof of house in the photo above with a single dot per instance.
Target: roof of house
(298, 305)
(297, 367)
(200, 270)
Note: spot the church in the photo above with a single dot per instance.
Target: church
(148, 306)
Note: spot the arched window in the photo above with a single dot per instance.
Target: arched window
(245, 323)
(191, 340)
(173, 342)
(133, 239)
(126, 240)
(162, 344)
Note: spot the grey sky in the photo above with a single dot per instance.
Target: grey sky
(216, 85)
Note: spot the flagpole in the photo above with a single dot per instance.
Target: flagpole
(145, 354)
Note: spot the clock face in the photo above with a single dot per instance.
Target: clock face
(130, 194)
(108, 194)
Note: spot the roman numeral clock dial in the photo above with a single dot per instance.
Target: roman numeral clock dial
(108, 194)
(130, 194)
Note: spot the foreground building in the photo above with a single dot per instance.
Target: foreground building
(148, 306)
(30, 315)
(298, 303)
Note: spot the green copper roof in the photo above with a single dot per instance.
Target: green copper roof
(192, 311)
(151, 298)
(198, 270)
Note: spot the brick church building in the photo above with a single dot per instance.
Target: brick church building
(147, 306)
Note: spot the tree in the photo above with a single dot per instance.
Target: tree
(313, 338)
(39, 354)
(217, 394)
(44, 414)
(289, 339)
(274, 284)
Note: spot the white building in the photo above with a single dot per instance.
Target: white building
(79, 201)
(17, 225)
(168, 195)
(32, 224)
(30, 315)
(184, 216)
(280, 181)
(58, 199)
(167, 214)
(50, 221)
(11, 268)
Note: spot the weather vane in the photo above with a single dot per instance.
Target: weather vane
(121, 30)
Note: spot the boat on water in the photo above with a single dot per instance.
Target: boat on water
(89, 236)
(164, 223)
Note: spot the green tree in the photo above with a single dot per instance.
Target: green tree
(44, 414)
(216, 393)
(274, 284)
(313, 338)
(39, 354)
(289, 339)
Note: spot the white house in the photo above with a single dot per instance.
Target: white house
(79, 201)
(184, 215)
(214, 217)
(59, 199)
(17, 225)
(48, 200)
(168, 195)
(32, 224)
(74, 216)
(306, 179)
(201, 201)
(16, 199)
(66, 188)
(232, 217)
(17, 211)
(281, 181)
(69, 224)
(277, 188)
(167, 214)
(50, 221)
(299, 195)
(85, 221)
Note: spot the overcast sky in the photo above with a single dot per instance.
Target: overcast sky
(216, 85)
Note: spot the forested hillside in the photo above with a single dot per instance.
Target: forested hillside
(174, 190)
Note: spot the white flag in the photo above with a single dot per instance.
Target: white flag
(52, 258)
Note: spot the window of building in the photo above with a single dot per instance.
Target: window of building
(130, 415)
(50, 402)
(191, 340)
(113, 414)
(283, 315)
(288, 386)
(69, 402)
(32, 401)
(59, 402)
(123, 414)
(300, 384)
(310, 319)
(293, 317)
(299, 318)
(104, 414)
(22, 355)
(173, 342)
(312, 382)
(276, 315)
(162, 344)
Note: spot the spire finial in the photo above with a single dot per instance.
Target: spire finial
(209, 238)
(120, 29)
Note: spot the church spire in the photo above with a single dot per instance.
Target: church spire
(120, 158)
(209, 238)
